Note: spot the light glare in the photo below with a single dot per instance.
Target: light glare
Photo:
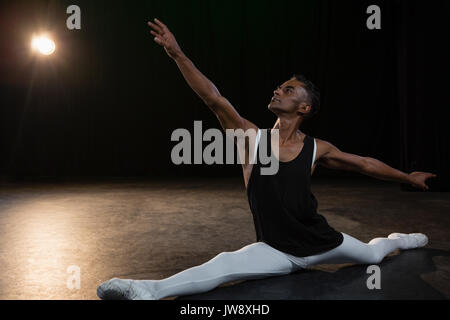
(43, 44)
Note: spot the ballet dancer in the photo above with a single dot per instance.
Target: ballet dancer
(291, 235)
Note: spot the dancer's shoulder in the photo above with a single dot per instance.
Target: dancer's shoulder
(322, 147)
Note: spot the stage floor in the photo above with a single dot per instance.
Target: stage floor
(152, 229)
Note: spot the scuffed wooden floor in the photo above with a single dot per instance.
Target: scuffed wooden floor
(153, 229)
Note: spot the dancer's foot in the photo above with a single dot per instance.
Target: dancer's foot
(411, 241)
(123, 289)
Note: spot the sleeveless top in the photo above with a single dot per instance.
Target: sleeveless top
(285, 210)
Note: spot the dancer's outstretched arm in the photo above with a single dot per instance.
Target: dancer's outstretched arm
(228, 116)
(331, 157)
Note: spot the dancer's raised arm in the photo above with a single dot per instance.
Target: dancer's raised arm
(228, 116)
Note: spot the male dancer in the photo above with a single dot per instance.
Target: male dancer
(290, 233)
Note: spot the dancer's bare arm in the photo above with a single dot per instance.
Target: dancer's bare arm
(331, 157)
(228, 116)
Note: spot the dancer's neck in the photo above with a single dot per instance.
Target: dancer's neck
(288, 130)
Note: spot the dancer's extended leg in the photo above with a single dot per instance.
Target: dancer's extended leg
(354, 251)
(254, 261)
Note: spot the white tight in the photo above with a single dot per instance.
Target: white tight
(259, 260)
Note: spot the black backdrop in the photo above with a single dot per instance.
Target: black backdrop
(106, 103)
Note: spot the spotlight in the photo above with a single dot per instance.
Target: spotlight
(43, 44)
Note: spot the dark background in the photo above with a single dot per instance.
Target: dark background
(105, 104)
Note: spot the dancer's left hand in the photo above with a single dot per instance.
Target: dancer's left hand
(417, 179)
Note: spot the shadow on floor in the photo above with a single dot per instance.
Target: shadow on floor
(401, 278)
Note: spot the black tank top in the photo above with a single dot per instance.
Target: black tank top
(284, 208)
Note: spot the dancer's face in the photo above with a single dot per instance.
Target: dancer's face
(290, 97)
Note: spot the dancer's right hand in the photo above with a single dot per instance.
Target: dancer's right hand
(165, 38)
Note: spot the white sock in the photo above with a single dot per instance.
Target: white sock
(411, 241)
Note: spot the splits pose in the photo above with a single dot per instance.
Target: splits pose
(291, 235)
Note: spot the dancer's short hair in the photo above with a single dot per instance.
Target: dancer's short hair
(313, 94)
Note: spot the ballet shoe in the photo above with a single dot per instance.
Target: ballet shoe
(413, 240)
(123, 289)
